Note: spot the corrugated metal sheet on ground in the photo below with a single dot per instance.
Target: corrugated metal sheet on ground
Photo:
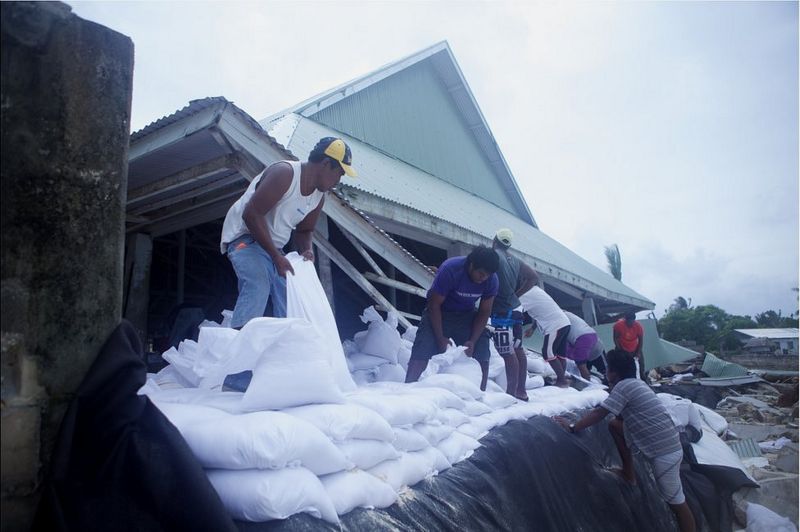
(716, 367)
(746, 448)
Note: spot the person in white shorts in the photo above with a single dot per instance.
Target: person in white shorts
(554, 324)
(642, 421)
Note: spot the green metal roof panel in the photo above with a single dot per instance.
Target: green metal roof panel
(412, 116)
(716, 367)
(394, 180)
(439, 60)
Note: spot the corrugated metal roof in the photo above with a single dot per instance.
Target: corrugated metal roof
(442, 58)
(194, 107)
(394, 180)
(747, 448)
(716, 367)
(770, 333)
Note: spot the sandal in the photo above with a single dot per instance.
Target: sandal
(522, 398)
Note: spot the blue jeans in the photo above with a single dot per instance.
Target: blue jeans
(258, 279)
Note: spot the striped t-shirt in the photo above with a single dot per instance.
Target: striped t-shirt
(647, 423)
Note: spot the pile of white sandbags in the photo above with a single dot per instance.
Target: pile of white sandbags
(303, 437)
(378, 354)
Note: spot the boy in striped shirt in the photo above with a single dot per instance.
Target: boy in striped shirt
(641, 420)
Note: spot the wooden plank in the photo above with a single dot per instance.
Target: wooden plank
(405, 287)
(363, 252)
(195, 173)
(349, 220)
(351, 271)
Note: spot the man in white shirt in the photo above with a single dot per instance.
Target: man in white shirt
(281, 204)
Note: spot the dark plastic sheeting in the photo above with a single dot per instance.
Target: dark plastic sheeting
(120, 465)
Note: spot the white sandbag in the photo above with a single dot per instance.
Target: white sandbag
(227, 401)
(682, 411)
(263, 495)
(441, 398)
(363, 377)
(405, 471)
(357, 489)
(457, 447)
(263, 440)
(452, 354)
(367, 453)
(533, 382)
(536, 364)
(499, 417)
(493, 387)
(345, 421)
(469, 368)
(186, 415)
(382, 338)
(455, 383)
(410, 335)
(476, 408)
(182, 362)
(407, 439)
(500, 380)
(305, 298)
(498, 399)
(390, 373)
(404, 353)
(276, 385)
(359, 361)
(434, 432)
(349, 347)
(762, 519)
(215, 347)
(473, 431)
(452, 417)
(170, 378)
(712, 420)
(436, 458)
(396, 409)
(150, 387)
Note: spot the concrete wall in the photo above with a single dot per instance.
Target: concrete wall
(66, 99)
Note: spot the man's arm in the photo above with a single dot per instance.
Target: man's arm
(640, 341)
(435, 301)
(527, 279)
(595, 416)
(273, 185)
(479, 323)
(305, 229)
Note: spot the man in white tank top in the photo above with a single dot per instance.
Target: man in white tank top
(281, 204)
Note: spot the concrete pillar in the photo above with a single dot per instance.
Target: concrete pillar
(589, 313)
(66, 93)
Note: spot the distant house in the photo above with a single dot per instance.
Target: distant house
(781, 341)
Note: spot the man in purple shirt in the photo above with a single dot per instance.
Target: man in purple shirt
(459, 283)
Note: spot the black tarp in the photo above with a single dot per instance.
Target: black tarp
(120, 465)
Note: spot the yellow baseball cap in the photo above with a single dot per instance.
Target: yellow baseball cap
(504, 236)
(340, 151)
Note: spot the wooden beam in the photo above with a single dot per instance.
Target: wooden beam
(378, 241)
(195, 173)
(351, 271)
(363, 252)
(193, 193)
(405, 287)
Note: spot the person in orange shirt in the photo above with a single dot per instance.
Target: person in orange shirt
(629, 337)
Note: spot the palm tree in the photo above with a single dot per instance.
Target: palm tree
(614, 261)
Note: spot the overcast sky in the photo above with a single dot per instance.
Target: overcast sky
(670, 129)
